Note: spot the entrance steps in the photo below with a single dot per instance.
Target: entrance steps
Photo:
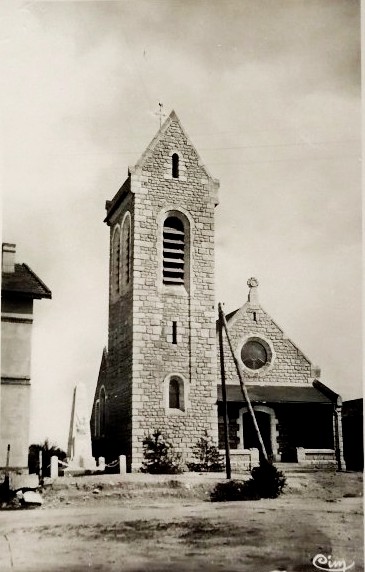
(305, 468)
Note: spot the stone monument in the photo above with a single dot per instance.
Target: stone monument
(79, 442)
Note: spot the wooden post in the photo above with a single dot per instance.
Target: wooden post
(122, 464)
(224, 393)
(40, 473)
(54, 467)
(6, 476)
(243, 387)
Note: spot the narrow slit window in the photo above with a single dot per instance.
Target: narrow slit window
(175, 166)
(254, 317)
(174, 332)
(173, 251)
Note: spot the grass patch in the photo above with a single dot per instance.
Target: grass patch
(195, 532)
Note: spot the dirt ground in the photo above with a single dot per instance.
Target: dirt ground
(157, 524)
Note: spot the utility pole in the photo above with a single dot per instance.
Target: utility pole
(243, 387)
(224, 392)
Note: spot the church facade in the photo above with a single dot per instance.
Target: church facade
(160, 368)
(298, 416)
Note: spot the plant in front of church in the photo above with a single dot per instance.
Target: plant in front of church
(266, 482)
(207, 457)
(47, 451)
(159, 458)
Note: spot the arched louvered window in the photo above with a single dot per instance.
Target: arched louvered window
(175, 166)
(173, 251)
(102, 412)
(126, 251)
(115, 277)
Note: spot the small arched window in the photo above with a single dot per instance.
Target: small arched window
(126, 251)
(173, 251)
(115, 277)
(102, 412)
(176, 393)
(175, 166)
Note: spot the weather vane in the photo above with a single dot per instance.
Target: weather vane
(160, 113)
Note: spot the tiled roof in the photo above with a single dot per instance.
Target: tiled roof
(25, 282)
(275, 394)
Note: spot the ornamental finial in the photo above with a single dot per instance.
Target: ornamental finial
(253, 283)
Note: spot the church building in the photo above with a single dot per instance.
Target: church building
(160, 368)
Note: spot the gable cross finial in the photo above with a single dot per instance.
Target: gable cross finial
(252, 283)
(160, 113)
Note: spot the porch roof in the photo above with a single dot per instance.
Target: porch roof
(275, 394)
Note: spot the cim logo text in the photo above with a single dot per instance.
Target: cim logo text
(322, 562)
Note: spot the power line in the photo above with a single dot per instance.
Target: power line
(301, 159)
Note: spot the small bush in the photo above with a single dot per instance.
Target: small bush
(231, 491)
(265, 482)
(269, 482)
(159, 457)
(208, 458)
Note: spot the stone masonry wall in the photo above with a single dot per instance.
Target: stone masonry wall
(119, 379)
(289, 364)
(155, 305)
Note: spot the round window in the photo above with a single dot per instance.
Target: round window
(254, 354)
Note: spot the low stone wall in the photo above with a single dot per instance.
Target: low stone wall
(243, 459)
(316, 456)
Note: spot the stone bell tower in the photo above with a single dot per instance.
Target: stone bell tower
(162, 345)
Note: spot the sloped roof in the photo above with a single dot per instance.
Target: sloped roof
(25, 282)
(112, 205)
(275, 394)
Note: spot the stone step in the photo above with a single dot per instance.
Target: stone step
(301, 468)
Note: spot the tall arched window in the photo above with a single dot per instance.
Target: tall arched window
(97, 419)
(175, 166)
(173, 251)
(102, 412)
(115, 277)
(126, 251)
(176, 393)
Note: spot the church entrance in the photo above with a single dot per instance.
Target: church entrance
(250, 438)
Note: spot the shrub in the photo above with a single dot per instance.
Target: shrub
(159, 457)
(265, 482)
(268, 480)
(48, 451)
(232, 491)
(208, 457)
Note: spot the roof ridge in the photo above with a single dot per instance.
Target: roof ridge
(46, 289)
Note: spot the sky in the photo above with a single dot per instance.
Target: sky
(269, 93)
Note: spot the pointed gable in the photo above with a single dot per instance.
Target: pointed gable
(266, 354)
(171, 129)
(170, 142)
